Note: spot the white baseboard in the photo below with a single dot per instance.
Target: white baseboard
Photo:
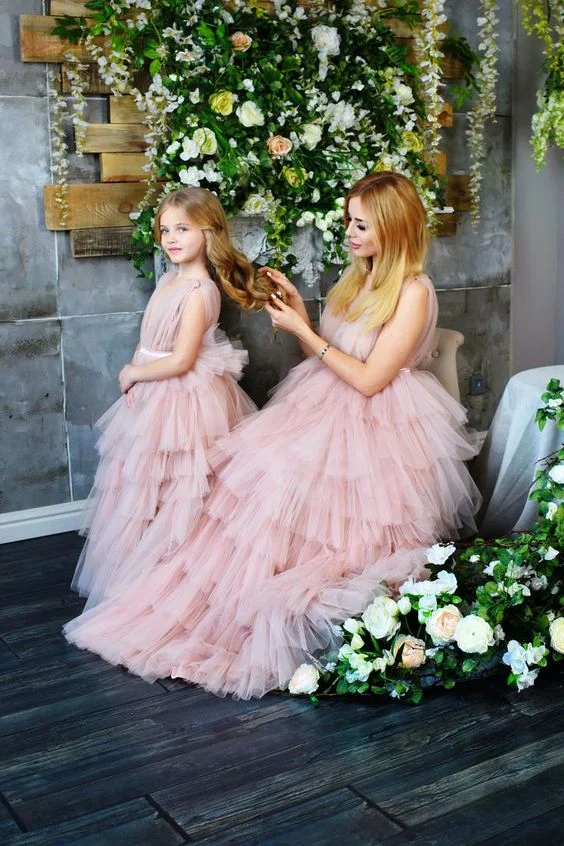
(36, 522)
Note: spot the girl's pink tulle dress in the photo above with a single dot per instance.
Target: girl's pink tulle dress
(155, 452)
(317, 499)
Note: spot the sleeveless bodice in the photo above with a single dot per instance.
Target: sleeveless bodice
(161, 321)
(351, 336)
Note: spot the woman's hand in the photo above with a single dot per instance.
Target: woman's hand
(285, 318)
(294, 296)
(127, 378)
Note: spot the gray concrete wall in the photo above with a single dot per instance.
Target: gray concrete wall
(67, 326)
(538, 244)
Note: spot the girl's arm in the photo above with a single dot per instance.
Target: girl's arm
(295, 301)
(392, 349)
(190, 334)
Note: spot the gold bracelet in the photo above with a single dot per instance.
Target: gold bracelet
(324, 350)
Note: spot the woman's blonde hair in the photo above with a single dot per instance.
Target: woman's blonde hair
(228, 267)
(396, 217)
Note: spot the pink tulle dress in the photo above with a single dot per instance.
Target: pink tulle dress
(155, 452)
(317, 500)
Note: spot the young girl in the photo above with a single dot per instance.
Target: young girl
(338, 485)
(179, 396)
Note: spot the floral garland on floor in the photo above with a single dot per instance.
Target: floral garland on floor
(490, 604)
(277, 112)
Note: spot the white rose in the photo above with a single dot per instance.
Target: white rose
(557, 634)
(249, 114)
(326, 39)
(308, 217)
(352, 626)
(445, 582)
(381, 617)
(551, 510)
(190, 150)
(441, 625)
(362, 668)
(404, 93)
(311, 135)
(315, 195)
(304, 680)
(255, 204)
(439, 553)
(404, 605)
(345, 651)
(539, 582)
(550, 553)
(416, 588)
(380, 665)
(498, 633)
(556, 473)
(357, 642)
(474, 634)
(190, 176)
(427, 604)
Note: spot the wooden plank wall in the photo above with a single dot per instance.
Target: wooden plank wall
(99, 213)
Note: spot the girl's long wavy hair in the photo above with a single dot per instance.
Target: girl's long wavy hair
(397, 220)
(228, 267)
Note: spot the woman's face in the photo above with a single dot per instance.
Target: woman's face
(361, 237)
(181, 239)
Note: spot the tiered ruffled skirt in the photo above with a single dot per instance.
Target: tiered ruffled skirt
(154, 460)
(321, 500)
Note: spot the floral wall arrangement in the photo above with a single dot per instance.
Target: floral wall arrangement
(278, 110)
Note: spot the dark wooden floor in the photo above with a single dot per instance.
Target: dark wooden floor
(91, 755)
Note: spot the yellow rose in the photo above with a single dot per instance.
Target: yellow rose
(413, 652)
(206, 141)
(295, 177)
(380, 166)
(278, 146)
(240, 41)
(412, 141)
(222, 102)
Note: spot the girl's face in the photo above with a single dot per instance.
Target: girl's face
(181, 239)
(361, 237)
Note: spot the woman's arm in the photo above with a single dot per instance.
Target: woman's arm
(190, 334)
(392, 349)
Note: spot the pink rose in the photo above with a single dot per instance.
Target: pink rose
(278, 146)
(442, 624)
(413, 652)
(240, 41)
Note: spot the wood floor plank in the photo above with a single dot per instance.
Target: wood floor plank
(434, 772)
(546, 829)
(153, 761)
(480, 821)
(217, 801)
(334, 818)
(7, 825)
(467, 785)
(134, 823)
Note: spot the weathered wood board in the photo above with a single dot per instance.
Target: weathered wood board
(94, 206)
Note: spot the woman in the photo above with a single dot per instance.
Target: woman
(355, 465)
